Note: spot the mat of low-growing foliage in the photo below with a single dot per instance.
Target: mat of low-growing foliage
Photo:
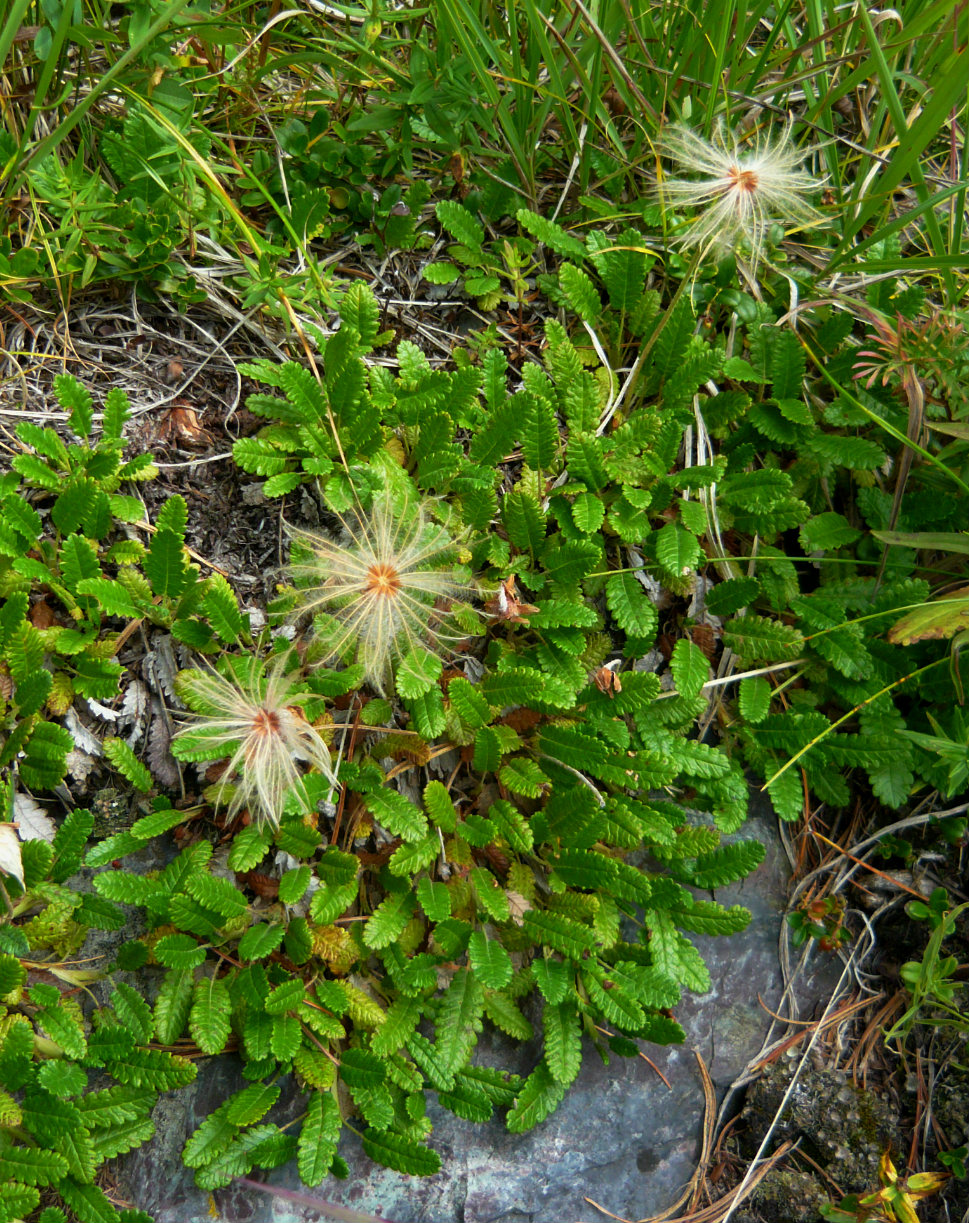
(507, 776)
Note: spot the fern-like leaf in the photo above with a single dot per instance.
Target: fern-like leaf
(318, 1138)
(539, 1097)
(400, 1153)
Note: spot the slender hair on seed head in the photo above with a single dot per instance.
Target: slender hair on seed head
(742, 190)
(388, 581)
(253, 717)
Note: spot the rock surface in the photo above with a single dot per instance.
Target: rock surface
(620, 1137)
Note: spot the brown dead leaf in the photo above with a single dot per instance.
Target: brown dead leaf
(181, 425)
(607, 681)
(505, 604)
(41, 615)
(263, 885)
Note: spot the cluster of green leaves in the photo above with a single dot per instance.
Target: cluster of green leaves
(74, 1090)
(453, 942)
(60, 509)
(867, 692)
(63, 556)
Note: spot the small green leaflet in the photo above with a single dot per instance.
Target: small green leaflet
(459, 1020)
(539, 1097)
(397, 814)
(400, 1153)
(209, 1017)
(554, 978)
(318, 1138)
(563, 1042)
(490, 961)
(690, 668)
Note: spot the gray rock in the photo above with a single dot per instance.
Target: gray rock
(621, 1138)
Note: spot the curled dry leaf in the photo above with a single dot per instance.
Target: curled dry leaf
(11, 863)
(32, 821)
(159, 757)
(84, 741)
(80, 766)
(607, 681)
(506, 605)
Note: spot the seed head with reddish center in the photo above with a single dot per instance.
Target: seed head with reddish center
(388, 580)
(742, 190)
(252, 717)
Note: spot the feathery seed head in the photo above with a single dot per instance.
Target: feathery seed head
(388, 582)
(254, 718)
(741, 190)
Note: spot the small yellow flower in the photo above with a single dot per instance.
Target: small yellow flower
(742, 190)
(256, 721)
(388, 581)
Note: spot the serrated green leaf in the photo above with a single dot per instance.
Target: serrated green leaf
(524, 520)
(538, 1098)
(30, 1166)
(261, 940)
(633, 611)
(63, 1027)
(318, 1138)
(400, 1153)
(434, 899)
(402, 1018)
(166, 564)
(512, 826)
(555, 979)
(459, 1020)
(249, 847)
(409, 859)
(222, 609)
(397, 814)
(251, 1104)
(286, 1037)
(113, 598)
(560, 933)
(690, 668)
(460, 223)
(173, 1004)
(87, 1202)
(554, 236)
(133, 1011)
(539, 433)
(489, 894)
(677, 549)
(418, 672)
(673, 954)
(293, 884)
(220, 895)
(754, 696)
(210, 1139)
(116, 1140)
(581, 868)
(759, 640)
(489, 960)
(361, 1068)
(208, 1020)
(580, 292)
(469, 703)
(521, 775)
(427, 714)
(387, 922)
(563, 1042)
(128, 764)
